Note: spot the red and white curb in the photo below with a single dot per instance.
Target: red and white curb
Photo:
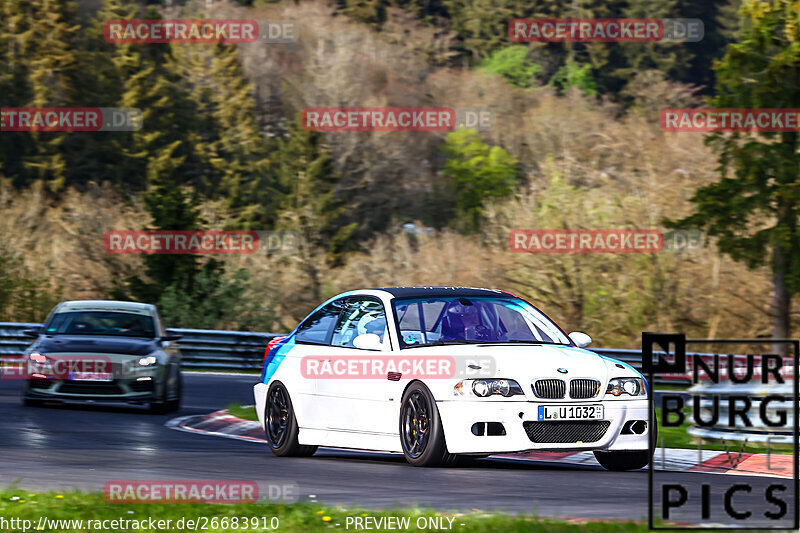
(219, 424)
(686, 460)
(222, 424)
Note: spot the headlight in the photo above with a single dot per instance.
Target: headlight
(629, 386)
(148, 361)
(37, 357)
(488, 387)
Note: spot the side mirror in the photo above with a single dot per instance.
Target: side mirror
(31, 332)
(171, 336)
(368, 341)
(581, 339)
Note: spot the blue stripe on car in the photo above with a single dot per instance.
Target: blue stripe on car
(275, 358)
(279, 351)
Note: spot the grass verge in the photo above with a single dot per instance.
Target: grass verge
(245, 412)
(17, 505)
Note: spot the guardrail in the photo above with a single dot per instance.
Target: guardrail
(758, 431)
(207, 349)
(202, 349)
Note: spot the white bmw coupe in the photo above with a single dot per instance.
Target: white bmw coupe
(443, 373)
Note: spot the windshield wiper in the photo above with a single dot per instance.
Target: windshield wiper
(519, 341)
(445, 343)
(510, 341)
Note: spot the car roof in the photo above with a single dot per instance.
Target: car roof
(435, 292)
(106, 305)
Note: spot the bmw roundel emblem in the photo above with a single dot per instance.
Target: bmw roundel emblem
(562, 370)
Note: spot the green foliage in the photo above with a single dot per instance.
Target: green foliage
(481, 27)
(39, 69)
(309, 204)
(231, 151)
(198, 110)
(478, 173)
(215, 301)
(240, 411)
(425, 10)
(574, 75)
(753, 209)
(513, 64)
(367, 11)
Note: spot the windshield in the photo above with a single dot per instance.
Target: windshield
(452, 320)
(101, 323)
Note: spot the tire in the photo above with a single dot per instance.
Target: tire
(158, 408)
(166, 404)
(622, 461)
(30, 402)
(421, 433)
(27, 401)
(174, 404)
(280, 424)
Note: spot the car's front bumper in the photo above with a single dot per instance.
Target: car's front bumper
(458, 418)
(120, 390)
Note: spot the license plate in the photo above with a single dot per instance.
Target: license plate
(570, 412)
(90, 376)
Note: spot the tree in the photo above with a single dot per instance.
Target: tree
(477, 173)
(309, 205)
(513, 64)
(229, 141)
(39, 41)
(574, 75)
(367, 11)
(753, 208)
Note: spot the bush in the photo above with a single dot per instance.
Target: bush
(575, 75)
(513, 64)
(477, 173)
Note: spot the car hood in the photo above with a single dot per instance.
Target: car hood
(94, 344)
(526, 363)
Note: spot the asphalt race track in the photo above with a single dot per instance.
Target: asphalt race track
(85, 446)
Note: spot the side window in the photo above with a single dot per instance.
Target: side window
(360, 316)
(316, 329)
(410, 331)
